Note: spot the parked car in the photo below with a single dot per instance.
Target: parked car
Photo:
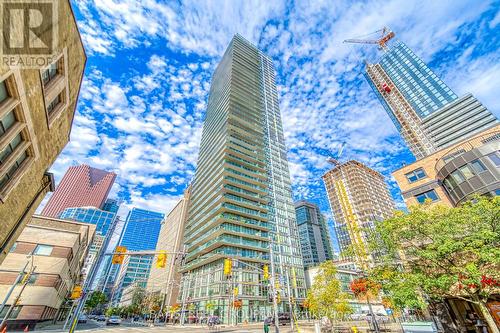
(113, 320)
(283, 318)
(101, 318)
(82, 319)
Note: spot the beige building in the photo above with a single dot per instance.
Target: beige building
(59, 248)
(358, 198)
(37, 107)
(165, 281)
(451, 175)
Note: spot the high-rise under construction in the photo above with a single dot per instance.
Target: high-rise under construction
(358, 198)
(241, 202)
(426, 112)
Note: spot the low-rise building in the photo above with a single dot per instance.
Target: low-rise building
(451, 175)
(56, 249)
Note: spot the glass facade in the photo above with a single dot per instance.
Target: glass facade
(101, 218)
(141, 230)
(135, 269)
(241, 201)
(423, 89)
(314, 235)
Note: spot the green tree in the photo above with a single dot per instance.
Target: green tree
(96, 298)
(443, 252)
(326, 297)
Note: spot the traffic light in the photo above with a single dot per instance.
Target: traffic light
(77, 292)
(118, 256)
(266, 272)
(161, 260)
(235, 291)
(228, 266)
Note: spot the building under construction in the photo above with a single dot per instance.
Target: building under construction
(426, 112)
(358, 198)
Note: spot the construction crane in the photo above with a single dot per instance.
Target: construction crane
(385, 34)
(336, 161)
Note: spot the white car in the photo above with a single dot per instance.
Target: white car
(114, 320)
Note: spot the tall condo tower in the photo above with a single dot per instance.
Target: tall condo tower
(358, 198)
(81, 186)
(427, 113)
(241, 202)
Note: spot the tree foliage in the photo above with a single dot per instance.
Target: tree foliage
(326, 297)
(95, 299)
(439, 252)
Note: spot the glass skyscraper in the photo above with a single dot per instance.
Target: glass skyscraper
(141, 230)
(314, 235)
(105, 222)
(241, 202)
(140, 233)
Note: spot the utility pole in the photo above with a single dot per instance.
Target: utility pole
(11, 289)
(25, 281)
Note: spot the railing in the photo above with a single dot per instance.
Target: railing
(466, 146)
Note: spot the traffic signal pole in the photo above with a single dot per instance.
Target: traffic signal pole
(11, 289)
(25, 281)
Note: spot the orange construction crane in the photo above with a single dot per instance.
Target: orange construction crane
(385, 34)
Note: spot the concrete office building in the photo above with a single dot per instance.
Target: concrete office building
(314, 235)
(358, 198)
(427, 113)
(37, 107)
(59, 249)
(81, 186)
(452, 175)
(166, 281)
(241, 201)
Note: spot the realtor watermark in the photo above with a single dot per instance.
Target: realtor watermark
(29, 33)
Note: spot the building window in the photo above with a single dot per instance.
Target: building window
(494, 158)
(4, 154)
(416, 175)
(6, 122)
(13, 314)
(466, 171)
(13, 248)
(432, 195)
(43, 250)
(4, 94)
(49, 73)
(457, 176)
(478, 166)
(12, 171)
(54, 104)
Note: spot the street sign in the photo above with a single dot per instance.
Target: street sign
(388, 311)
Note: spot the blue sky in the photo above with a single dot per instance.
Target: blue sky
(149, 66)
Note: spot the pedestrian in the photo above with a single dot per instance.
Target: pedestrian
(267, 322)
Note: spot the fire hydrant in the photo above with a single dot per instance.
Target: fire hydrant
(354, 329)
